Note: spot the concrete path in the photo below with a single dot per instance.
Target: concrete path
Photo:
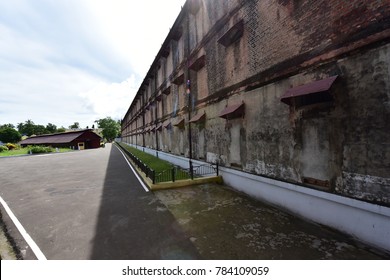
(89, 205)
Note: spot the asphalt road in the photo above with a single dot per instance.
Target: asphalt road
(89, 205)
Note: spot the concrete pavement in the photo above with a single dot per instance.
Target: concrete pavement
(89, 205)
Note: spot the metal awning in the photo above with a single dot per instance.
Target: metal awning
(179, 123)
(178, 80)
(233, 34)
(233, 111)
(308, 89)
(167, 91)
(199, 63)
(198, 118)
(167, 124)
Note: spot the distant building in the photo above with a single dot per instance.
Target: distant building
(82, 139)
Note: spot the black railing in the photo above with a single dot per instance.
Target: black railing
(175, 173)
(150, 173)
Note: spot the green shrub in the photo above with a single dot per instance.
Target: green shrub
(3, 148)
(40, 149)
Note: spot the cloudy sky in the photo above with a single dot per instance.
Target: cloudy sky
(66, 61)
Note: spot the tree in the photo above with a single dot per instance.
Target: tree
(9, 135)
(51, 128)
(61, 129)
(110, 128)
(27, 128)
(76, 125)
(10, 125)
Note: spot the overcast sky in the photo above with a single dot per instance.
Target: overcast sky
(66, 61)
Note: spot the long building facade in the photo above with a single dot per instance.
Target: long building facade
(293, 90)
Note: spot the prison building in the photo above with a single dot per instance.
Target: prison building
(293, 91)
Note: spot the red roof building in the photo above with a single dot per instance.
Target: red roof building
(82, 139)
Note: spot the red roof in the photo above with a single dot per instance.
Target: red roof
(59, 138)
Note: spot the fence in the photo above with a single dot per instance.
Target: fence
(150, 173)
(175, 173)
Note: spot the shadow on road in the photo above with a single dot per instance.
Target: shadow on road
(134, 224)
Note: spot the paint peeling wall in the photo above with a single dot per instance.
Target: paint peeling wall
(340, 146)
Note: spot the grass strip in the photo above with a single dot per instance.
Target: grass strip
(25, 151)
(158, 165)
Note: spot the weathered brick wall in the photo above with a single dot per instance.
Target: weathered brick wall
(287, 43)
(282, 34)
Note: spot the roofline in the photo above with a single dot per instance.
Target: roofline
(176, 24)
(60, 133)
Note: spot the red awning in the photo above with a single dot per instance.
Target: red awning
(233, 111)
(180, 123)
(198, 118)
(167, 91)
(233, 34)
(311, 88)
(179, 80)
(167, 124)
(199, 63)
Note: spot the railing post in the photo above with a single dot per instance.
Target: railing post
(153, 177)
(173, 174)
(217, 169)
(191, 170)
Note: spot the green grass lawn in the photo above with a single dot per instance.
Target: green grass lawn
(162, 168)
(25, 151)
(158, 165)
(153, 162)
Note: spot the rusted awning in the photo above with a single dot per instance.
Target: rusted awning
(165, 52)
(167, 124)
(233, 111)
(179, 123)
(199, 63)
(176, 34)
(198, 118)
(178, 80)
(167, 91)
(308, 89)
(233, 34)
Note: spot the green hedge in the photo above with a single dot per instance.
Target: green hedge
(40, 149)
(3, 148)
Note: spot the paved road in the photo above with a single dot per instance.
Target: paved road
(89, 205)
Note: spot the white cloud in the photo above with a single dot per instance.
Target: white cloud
(67, 61)
(110, 99)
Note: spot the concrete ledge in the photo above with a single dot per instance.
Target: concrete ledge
(186, 183)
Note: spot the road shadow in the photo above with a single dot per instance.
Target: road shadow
(134, 224)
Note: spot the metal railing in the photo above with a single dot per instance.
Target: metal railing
(175, 173)
(150, 173)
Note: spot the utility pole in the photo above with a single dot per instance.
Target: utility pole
(189, 94)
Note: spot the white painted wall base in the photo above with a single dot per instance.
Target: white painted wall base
(367, 222)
